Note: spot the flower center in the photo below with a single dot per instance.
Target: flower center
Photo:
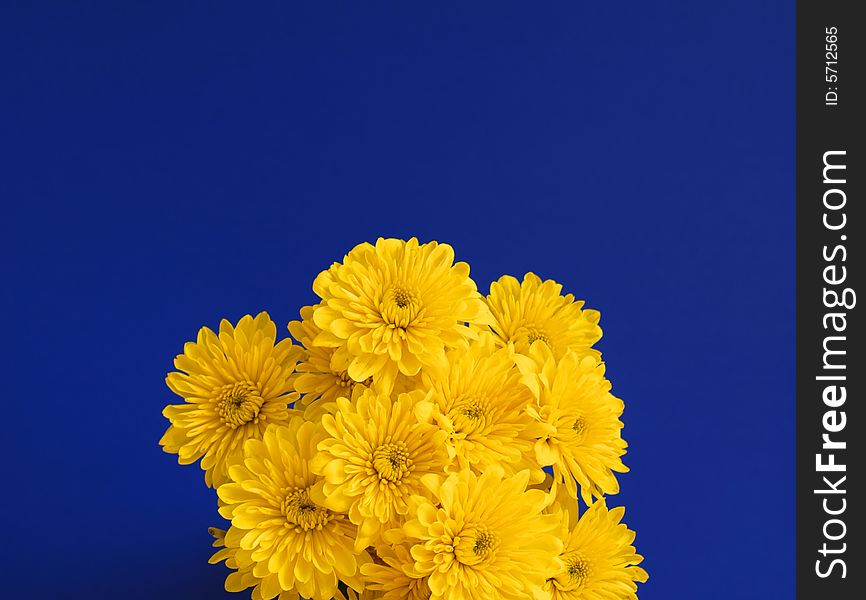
(535, 335)
(302, 512)
(483, 543)
(474, 410)
(399, 306)
(402, 298)
(469, 414)
(344, 381)
(392, 462)
(577, 568)
(579, 425)
(475, 545)
(239, 403)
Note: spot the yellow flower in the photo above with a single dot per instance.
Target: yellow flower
(393, 575)
(395, 307)
(479, 402)
(598, 559)
(536, 310)
(372, 460)
(488, 537)
(322, 376)
(288, 540)
(581, 431)
(240, 579)
(234, 385)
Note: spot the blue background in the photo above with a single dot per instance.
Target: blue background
(162, 167)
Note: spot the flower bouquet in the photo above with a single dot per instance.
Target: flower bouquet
(414, 439)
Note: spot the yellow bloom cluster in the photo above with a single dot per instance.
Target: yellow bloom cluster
(416, 440)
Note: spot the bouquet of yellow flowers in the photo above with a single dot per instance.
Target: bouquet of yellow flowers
(414, 440)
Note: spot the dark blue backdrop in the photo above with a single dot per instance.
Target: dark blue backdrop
(164, 167)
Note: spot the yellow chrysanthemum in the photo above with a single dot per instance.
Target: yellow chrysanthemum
(322, 372)
(322, 376)
(536, 310)
(396, 307)
(241, 578)
(392, 576)
(598, 558)
(372, 460)
(287, 540)
(479, 402)
(487, 538)
(581, 431)
(234, 385)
